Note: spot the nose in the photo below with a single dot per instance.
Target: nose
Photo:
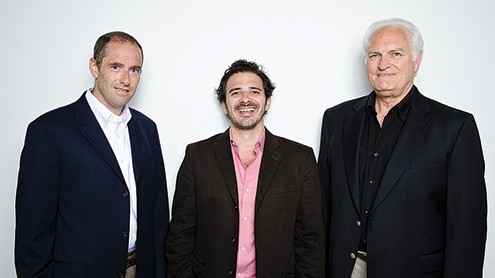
(245, 95)
(384, 62)
(125, 78)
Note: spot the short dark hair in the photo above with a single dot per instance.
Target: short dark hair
(103, 40)
(244, 66)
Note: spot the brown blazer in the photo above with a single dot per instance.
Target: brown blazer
(202, 241)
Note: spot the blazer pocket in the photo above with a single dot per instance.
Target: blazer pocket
(66, 269)
(427, 164)
(198, 269)
(284, 188)
(431, 263)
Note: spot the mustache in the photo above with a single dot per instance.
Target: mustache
(248, 103)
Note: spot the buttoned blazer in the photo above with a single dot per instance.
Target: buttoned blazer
(72, 203)
(429, 215)
(203, 236)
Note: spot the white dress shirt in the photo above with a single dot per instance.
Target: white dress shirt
(117, 133)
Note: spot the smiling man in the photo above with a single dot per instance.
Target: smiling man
(91, 196)
(402, 175)
(247, 203)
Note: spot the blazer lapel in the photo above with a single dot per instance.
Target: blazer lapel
(353, 127)
(225, 162)
(414, 128)
(136, 139)
(269, 164)
(92, 131)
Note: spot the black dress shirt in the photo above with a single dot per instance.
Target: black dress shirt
(376, 146)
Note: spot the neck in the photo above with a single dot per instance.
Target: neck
(247, 137)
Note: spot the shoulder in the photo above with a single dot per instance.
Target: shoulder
(440, 111)
(346, 106)
(208, 143)
(286, 145)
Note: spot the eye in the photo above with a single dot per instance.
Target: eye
(396, 54)
(114, 67)
(234, 93)
(135, 71)
(373, 56)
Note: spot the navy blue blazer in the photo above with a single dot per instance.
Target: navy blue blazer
(72, 203)
(429, 215)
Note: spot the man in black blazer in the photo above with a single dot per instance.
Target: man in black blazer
(402, 175)
(247, 203)
(91, 197)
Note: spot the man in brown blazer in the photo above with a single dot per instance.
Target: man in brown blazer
(247, 203)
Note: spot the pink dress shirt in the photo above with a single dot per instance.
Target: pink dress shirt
(247, 183)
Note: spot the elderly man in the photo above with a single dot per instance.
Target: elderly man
(402, 175)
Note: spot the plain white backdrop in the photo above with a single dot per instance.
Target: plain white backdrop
(311, 50)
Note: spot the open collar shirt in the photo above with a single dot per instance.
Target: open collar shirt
(247, 183)
(117, 134)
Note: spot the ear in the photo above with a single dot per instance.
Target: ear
(268, 103)
(224, 107)
(93, 67)
(418, 61)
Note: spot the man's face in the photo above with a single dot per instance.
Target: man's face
(117, 78)
(245, 102)
(391, 68)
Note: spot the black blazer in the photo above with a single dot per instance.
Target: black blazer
(72, 205)
(429, 215)
(202, 241)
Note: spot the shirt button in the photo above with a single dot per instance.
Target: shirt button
(247, 189)
(245, 218)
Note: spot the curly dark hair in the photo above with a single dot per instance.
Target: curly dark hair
(103, 40)
(244, 66)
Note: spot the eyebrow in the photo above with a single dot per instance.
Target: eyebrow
(251, 88)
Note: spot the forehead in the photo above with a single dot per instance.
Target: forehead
(389, 38)
(118, 50)
(244, 79)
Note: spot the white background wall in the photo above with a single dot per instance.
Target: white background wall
(311, 50)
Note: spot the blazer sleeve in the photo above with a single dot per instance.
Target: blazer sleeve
(36, 204)
(466, 205)
(309, 234)
(161, 209)
(324, 174)
(181, 236)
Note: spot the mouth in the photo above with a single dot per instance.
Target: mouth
(247, 109)
(122, 91)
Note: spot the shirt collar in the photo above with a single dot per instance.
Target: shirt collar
(103, 114)
(260, 144)
(402, 107)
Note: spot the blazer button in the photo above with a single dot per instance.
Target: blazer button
(234, 240)
(231, 272)
(125, 233)
(353, 256)
(121, 275)
(125, 194)
(358, 223)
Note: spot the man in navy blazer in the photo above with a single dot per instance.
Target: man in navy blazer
(91, 196)
(402, 175)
